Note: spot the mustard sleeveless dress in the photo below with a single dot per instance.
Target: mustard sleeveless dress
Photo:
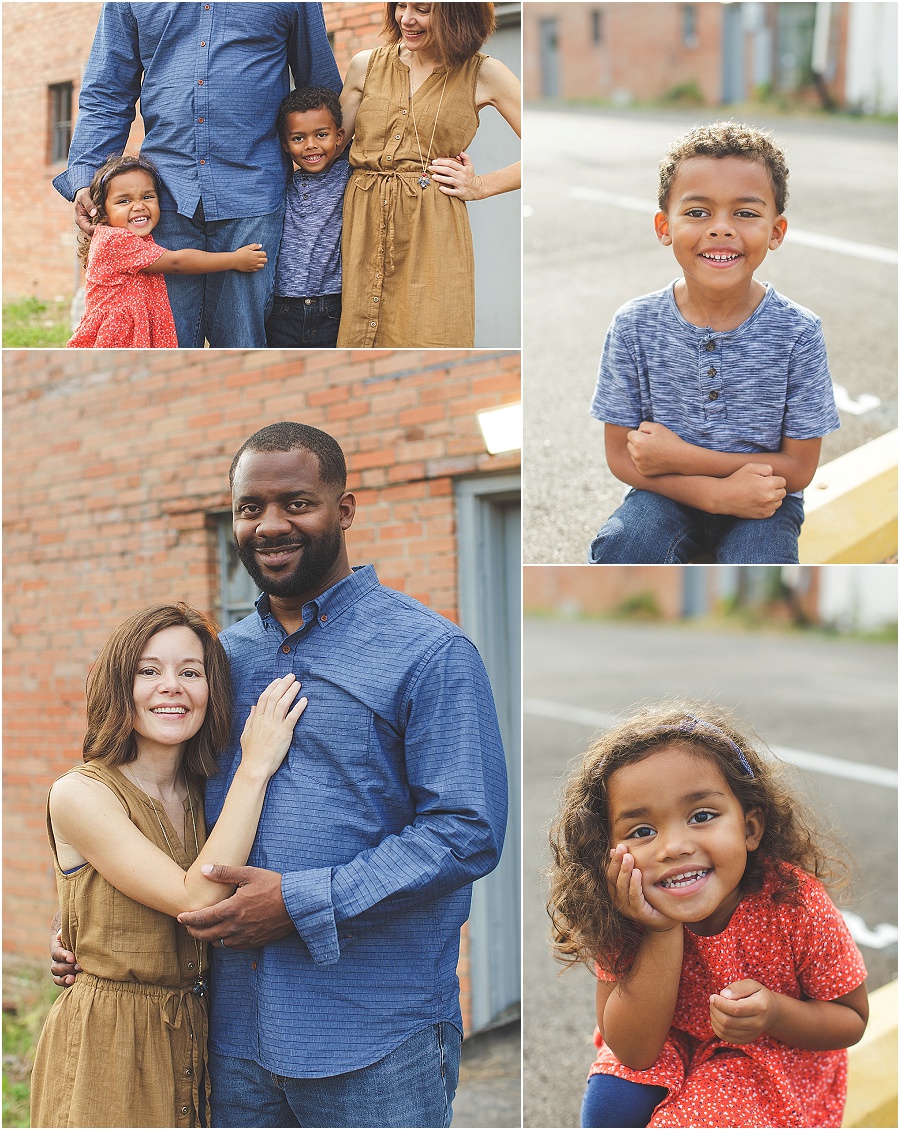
(408, 264)
(126, 1044)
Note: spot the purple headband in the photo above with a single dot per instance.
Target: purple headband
(691, 724)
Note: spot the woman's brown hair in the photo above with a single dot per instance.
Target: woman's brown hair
(99, 189)
(460, 29)
(110, 690)
(587, 926)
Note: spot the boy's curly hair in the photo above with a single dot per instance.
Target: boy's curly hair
(587, 927)
(99, 189)
(726, 139)
(305, 98)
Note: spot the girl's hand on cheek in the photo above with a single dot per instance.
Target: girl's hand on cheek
(743, 1011)
(626, 886)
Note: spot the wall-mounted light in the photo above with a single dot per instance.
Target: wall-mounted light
(501, 428)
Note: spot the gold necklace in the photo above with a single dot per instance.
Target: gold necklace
(199, 987)
(424, 180)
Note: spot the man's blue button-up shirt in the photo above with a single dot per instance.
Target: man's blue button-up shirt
(390, 802)
(210, 78)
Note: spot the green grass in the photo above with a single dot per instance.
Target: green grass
(33, 324)
(28, 993)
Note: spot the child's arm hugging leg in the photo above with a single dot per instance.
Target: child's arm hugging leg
(656, 450)
(751, 491)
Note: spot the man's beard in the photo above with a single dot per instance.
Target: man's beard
(312, 569)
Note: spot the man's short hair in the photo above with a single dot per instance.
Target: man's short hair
(287, 436)
(726, 139)
(306, 98)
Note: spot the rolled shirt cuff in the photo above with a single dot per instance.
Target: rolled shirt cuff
(307, 897)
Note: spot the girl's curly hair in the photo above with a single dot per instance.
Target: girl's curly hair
(99, 189)
(587, 927)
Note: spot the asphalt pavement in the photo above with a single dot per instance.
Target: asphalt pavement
(589, 246)
(830, 696)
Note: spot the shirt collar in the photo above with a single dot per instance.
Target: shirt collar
(331, 603)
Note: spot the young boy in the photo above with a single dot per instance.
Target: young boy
(307, 308)
(715, 392)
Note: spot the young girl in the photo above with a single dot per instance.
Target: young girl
(126, 305)
(727, 982)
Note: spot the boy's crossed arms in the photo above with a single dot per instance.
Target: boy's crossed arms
(652, 457)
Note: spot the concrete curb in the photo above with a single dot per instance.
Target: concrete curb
(851, 507)
(872, 1070)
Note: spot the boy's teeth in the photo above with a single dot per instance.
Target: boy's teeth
(684, 880)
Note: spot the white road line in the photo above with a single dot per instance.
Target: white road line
(850, 247)
(814, 762)
(880, 938)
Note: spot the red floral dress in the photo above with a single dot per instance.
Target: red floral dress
(124, 308)
(803, 951)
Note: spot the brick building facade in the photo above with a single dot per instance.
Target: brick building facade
(116, 480)
(713, 53)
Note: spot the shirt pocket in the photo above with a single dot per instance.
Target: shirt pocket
(371, 129)
(333, 737)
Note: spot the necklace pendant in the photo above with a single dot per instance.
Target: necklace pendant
(424, 181)
(199, 989)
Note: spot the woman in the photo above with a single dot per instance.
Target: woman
(129, 843)
(412, 108)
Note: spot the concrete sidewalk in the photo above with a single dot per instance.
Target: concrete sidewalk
(490, 1089)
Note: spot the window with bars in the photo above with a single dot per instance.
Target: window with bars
(60, 120)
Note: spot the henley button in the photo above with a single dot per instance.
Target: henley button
(710, 372)
(710, 345)
(286, 649)
(307, 301)
(713, 395)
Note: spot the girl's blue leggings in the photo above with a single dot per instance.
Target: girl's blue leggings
(610, 1101)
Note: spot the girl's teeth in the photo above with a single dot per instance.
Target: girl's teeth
(684, 880)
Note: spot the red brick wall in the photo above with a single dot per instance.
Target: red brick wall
(641, 55)
(590, 591)
(113, 462)
(44, 44)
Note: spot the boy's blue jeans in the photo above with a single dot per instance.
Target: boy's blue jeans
(227, 308)
(304, 323)
(412, 1086)
(650, 529)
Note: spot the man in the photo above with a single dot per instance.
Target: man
(210, 78)
(334, 990)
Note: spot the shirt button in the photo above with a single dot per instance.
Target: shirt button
(202, 43)
(202, 162)
(286, 649)
(252, 964)
(713, 395)
(324, 617)
(388, 157)
(200, 120)
(375, 299)
(710, 372)
(373, 324)
(396, 137)
(199, 81)
(710, 345)
(184, 1110)
(402, 111)
(189, 1072)
(190, 965)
